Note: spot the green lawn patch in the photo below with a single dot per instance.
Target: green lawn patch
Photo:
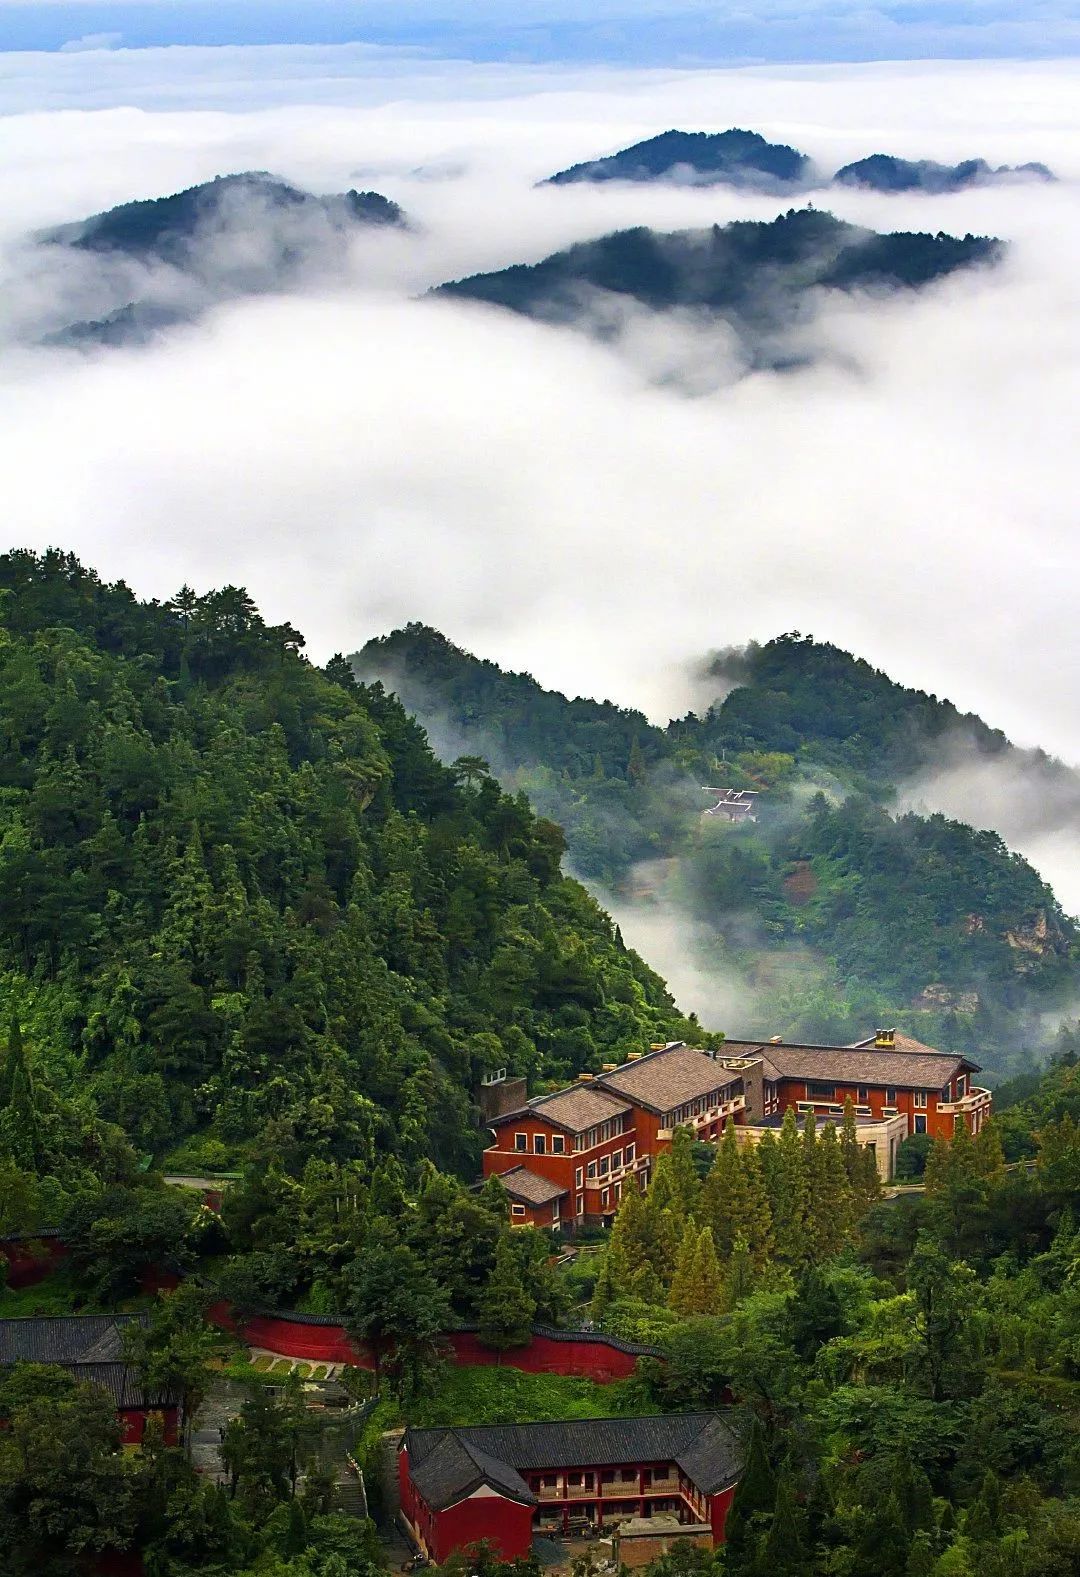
(263, 1361)
(282, 1366)
(304, 1370)
(319, 1372)
(58, 1293)
(501, 1395)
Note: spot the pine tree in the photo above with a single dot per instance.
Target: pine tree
(989, 1154)
(850, 1147)
(784, 1553)
(506, 1309)
(708, 1279)
(681, 1295)
(629, 1247)
(868, 1190)
(635, 766)
(920, 1561)
(788, 1192)
(914, 1493)
(605, 1291)
(734, 1202)
(830, 1197)
(684, 1177)
(755, 1497)
(738, 1274)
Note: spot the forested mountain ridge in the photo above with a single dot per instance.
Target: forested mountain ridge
(240, 896)
(836, 910)
(747, 271)
(735, 157)
(883, 172)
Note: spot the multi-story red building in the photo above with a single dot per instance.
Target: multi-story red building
(90, 1347)
(567, 1158)
(503, 1483)
(592, 1141)
(886, 1075)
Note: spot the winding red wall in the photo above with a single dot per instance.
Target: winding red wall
(596, 1359)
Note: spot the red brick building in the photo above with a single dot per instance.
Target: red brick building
(503, 1483)
(886, 1075)
(597, 1138)
(90, 1348)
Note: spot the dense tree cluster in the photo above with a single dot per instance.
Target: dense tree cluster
(240, 895)
(915, 920)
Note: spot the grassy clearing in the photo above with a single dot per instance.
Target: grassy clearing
(502, 1395)
(319, 1372)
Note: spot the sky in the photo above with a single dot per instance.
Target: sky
(602, 32)
(601, 515)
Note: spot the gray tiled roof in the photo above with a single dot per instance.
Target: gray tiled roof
(706, 1446)
(529, 1187)
(663, 1080)
(911, 1070)
(88, 1346)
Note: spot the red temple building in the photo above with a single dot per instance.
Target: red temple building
(503, 1483)
(567, 1158)
(90, 1348)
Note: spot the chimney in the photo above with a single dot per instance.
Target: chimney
(609, 1067)
(585, 1078)
(776, 1040)
(884, 1039)
(632, 1056)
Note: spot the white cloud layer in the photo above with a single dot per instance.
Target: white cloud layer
(359, 458)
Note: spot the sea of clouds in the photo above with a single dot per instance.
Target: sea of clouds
(598, 514)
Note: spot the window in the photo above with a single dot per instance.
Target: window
(629, 1155)
(517, 1210)
(579, 1205)
(521, 1141)
(605, 1165)
(890, 1097)
(920, 1098)
(820, 1092)
(863, 1095)
(618, 1192)
(920, 1123)
(605, 1198)
(558, 1144)
(539, 1143)
(579, 1176)
(592, 1169)
(961, 1086)
(555, 1210)
(616, 1160)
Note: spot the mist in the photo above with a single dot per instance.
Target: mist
(359, 457)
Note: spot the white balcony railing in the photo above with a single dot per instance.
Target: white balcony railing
(973, 1101)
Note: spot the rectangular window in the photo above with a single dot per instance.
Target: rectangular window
(890, 1097)
(629, 1154)
(539, 1143)
(605, 1198)
(920, 1098)
(820, 1092)
(605, 1165)
(961, 1086)
(920, 1123)
(580, 1205)
(616, 1160)
(618, 1192)
(521, 1141)
(591, 1170)
(517, 1210)
(579, 1176)
(863, 1095)
(558, 1144)
(555, 1210)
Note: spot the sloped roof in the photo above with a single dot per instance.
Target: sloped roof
(453, 1469)
(662, 1080)
(580, 1107)
(65, 1339)
(706, 1446)
(529, 1187)
(88, 1346)
(903, 1066)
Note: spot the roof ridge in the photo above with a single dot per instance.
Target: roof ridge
(546, 1423)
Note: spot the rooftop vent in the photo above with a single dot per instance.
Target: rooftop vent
(776, 1040)
(585, 1078)
(632, 1056)
(885, 1039)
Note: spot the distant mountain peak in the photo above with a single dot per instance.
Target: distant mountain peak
(735, 157)
(883, 172)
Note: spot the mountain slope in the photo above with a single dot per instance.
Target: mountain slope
(835, 909)
(752, 274)
(736, 158)
(239, 896)
(882, 172)
(163, 261)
